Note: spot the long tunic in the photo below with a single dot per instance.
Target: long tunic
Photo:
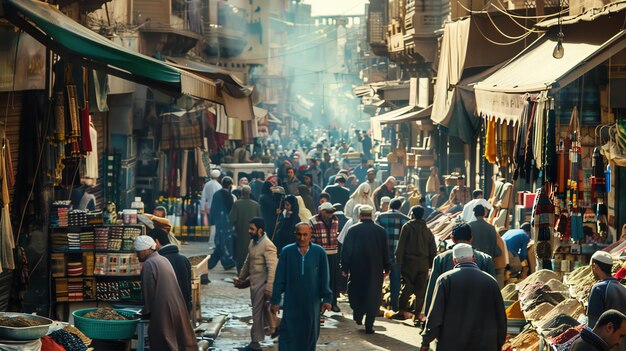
(365, 257)
(170, 328)
(467, 312)
(240, 215)
(303, 283)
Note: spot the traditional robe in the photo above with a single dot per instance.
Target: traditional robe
(182, 268)
(303, 283)
(240, 215)
(170, 328)
(260, 267)
(467, 312)
(365, 257)
(221, 206)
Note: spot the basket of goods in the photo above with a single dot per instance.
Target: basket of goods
(106, 323)
(22, 326)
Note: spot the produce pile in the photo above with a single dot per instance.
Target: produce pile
(68, 340)
(107, 314)
(20, 322)
(194, 260)
(527, 340)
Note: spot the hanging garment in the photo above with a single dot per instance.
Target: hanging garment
(202, 171)
(91, 161)
(552, 162)
(539, 131)
(7, 241)
(519, 151)
(490, 142)
(183, 175)
(86, 144)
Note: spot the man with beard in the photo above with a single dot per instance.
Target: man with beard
(386, 189)
(365, 260)
(259, 268)
(606, 294)
(302, 283)
(170, 328)
(609, 332)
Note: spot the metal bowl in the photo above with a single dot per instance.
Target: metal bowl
(24, 333)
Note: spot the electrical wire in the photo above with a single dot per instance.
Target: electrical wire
(499, 43)
(506, 35)
(503, 10)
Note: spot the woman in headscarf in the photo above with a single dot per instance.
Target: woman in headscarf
(286, 223)
(360, 197)
(303, 212)
(305, 193)
(270, 205)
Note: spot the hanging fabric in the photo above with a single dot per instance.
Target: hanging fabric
(91, 160)
(519, 151)
(7, 240)
(529, 160)
(551, 163)
(543, 220)
(539, 130)
(490, 141)
(202, 171)
(183, 175)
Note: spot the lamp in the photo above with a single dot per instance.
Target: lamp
(559, 51)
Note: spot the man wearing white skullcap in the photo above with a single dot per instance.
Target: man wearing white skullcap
(210, 188)
(606, 294)
(467, 312)
(164, 305)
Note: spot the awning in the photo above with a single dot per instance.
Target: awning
(375, 122)
(260, 113)
(413, 116)
(534, 70)
(274, 119)
(232, 85)
(67, 37)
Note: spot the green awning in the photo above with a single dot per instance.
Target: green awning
(65, 36)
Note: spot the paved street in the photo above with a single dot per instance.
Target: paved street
(339, 332)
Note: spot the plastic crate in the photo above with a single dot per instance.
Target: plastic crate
(104, 329)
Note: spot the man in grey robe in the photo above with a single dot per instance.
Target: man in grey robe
(170, 328)
(242, 212)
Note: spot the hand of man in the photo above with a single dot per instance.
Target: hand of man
(425, 348)
(326, 307)
(275, 309)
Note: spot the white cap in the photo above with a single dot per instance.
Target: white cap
(144, 242)
(603, 257)
(366, 210)
(215, 173)
(385, 200)
(326, 206)
(462, 251)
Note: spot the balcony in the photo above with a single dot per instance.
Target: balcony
(84, 6)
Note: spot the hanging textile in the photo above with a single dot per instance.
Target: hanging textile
(183, 176)
(543, 223)
(7, 241)
(505, 145)
(550, 164)
(86, 144)
(202, 170)
(529, 160)
(221, 125)
(91, 161)
(520, 141)
(490, 142)
(539, 130)
(598, 181)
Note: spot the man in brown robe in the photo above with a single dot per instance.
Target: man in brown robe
(170, 328)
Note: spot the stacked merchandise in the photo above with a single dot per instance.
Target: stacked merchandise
(88, 263)
(77, 218)
(115, 238)
(73, 240)
(59, 213)
(74, 269)
(75, 290)
(87, 240)
(119, 291)
(58, 240)
(57, 264)
(95, 218)
(102, 238)
(117, 265)
(60, 288)
(129, 235)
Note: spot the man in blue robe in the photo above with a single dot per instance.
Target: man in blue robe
(302, 281)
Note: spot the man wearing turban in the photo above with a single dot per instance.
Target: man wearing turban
(170, 328)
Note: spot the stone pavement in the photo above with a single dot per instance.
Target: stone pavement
(339, 331)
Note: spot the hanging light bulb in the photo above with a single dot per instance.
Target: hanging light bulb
(559, 50)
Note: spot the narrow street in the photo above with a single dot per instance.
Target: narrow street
(339, 331)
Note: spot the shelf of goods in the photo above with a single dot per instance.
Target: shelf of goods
(95, 263)
(545, 309)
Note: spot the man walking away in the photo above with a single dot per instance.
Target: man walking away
(180, 263)
(444, 262)
(302, 284)
(210, 188)
(163, 303)
(325, 230)
(240, 215)
(393, 221)
(467, 312)
(484, 235)
(609, 332)
(365, 261)
(259, 269)
(415, 253)
(221, 205)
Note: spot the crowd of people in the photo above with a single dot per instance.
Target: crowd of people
(302, 237)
